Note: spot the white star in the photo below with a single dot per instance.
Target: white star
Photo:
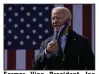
(16, 25)
(40, 25)
(22, 19)
(34, 8)
(5, 14)
(34, 31)
(28, 13)
(9, 31)
(22, 31)
(9, 43)
(21, 43)
(40, 14)
(46, 19)
(28, 25)
(46, 31)
(40, 37)
(27, 37)
(15, 37)
(9, 20)
(15, 14)
(10, 8)
(22, 8)
(34, 43)
(34, 19)
(46, 8)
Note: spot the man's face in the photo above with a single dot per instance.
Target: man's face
(58, 19)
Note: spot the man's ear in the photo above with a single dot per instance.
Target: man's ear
(68, 21)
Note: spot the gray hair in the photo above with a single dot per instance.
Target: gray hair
(66, 10)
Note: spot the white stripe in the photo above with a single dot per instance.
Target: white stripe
(93, 28)
(77, 18)
(58, 5)
(5, 59)
(36, 52)
(20, 59)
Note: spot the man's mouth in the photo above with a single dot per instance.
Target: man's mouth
(56, 28)
(56, 25)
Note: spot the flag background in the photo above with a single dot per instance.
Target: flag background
(26, 25)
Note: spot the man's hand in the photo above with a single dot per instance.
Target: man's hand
(52, 46)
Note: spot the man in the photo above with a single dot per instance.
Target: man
(65, 50)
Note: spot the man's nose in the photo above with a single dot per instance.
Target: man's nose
(55, 21)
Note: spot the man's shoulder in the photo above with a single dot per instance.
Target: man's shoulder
(45, 41)
(78, 36)
(48, 39)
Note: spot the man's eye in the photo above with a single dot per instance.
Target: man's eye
(55, 18)
(58, 17)
(52, 18)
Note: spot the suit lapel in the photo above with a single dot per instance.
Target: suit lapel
(70, 41)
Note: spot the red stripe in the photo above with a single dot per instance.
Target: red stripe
(11, 61)
(29, 58)
(70, 7)
(87, 21)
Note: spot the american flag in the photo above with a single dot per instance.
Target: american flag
(27, 25)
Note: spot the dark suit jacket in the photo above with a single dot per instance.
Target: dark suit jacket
(78, 55)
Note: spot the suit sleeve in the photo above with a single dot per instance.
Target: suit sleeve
(40, 61)
(87, 56)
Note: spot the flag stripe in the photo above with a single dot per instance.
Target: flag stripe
(5, 59)
(87, 21)
(11, 59)
(77, 18)
(36, 53)
(93, 28)
(70, 7)
(20, 59)
(29, 58)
